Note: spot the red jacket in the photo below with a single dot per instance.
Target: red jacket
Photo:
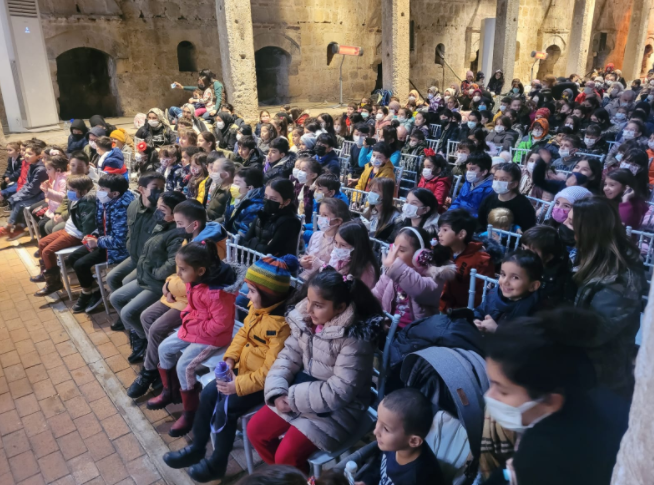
(439, 186)
(455, 293)
(209, 316)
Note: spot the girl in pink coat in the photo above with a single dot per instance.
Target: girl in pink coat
(55, 187)
(414, 276)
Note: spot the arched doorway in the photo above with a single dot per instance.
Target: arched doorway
(379, 83)
(85, 82)
(272, 66)
(644, 67)
(547, 66)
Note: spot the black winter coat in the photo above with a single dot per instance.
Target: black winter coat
(275, 234)
(283, 168)
(157, 261)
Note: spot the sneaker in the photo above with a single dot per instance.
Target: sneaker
(4, 231)
(94, 301)
(82, 302)
(118, 325)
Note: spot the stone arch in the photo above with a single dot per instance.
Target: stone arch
(57, 45)
(555, 40)
(284, 42)
(547, 66)
(272, 69)
(186, 59)
(647, 55)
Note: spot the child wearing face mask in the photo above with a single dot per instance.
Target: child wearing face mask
(381, 215)
(506, 188)
(478, 184)
(416, 144)
(538, 137)
(380, 166)
(436, 177)
(563, 202)
(414, 276)
(620, 186)
(217, 189)
(170, 166)
(198, 174)
(332, 213)
(352, 253)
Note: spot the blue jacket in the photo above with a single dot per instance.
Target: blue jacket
(74, 145)
(211, 232)
(13, 169)
(174, 181)
(36, 175)
(114, 217)
(502, 309)
(470, 198)
(330, 162)
(114, 159)
(366, 154)
(238, 218)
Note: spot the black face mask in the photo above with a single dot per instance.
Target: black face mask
(181, 231)
(159, 216)
(154, 196)
(200, 86)
(321, 150)
(77, 136)
(270, 206)
(567, 235)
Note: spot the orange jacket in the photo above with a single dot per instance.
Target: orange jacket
(650, 155)
(455, 293)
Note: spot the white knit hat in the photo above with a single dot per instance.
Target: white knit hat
(573, 194)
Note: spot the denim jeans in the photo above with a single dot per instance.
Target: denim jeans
(16, 216)
(192, 356)
(121, 274)
(130, 301)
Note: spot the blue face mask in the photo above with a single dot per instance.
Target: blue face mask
(481, 107)
(72, 195)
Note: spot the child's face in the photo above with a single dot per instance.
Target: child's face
(254, 296)
(325, 191)
(167, 211)
(31, 156)
(77, 132)
(12, 152)
(514, 281)
(563, 203)
(350, 110)
(186, 159)
(187, 273)
(50, 170)
(205, 145)
(265, 117)
(405, 249)
(264, 132)
(242, 186)
(196, 169)
(390, 433)
(613, 188)
(296, 137)
(583, 167)
(447, 237)
(320, 310)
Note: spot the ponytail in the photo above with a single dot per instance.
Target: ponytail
(202, 255)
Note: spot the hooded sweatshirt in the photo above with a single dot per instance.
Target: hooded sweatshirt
(77, 142)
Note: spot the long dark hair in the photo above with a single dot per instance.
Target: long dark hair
(210, 137)
(624, 177)
(389, 135)
(428, 199)
(596, 167)
(356, 235)
(387, 188)
(202, 255)
(335, 287)
(638, 156)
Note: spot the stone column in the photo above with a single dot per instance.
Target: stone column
(506, 35)
(237, 56)
(635, 48)
(634, 465)
(580, 32)
(395, 46)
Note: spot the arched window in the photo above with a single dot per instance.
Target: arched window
(186, 56)
(440, 54)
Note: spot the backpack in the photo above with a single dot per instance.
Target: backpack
(455, 381)
(381, 97)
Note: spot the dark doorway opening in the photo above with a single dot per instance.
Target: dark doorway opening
(272, 66)
(474, 65)
(547, 66)
(84, 77)
(379, 84)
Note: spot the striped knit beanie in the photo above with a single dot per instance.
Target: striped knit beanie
(271, 275)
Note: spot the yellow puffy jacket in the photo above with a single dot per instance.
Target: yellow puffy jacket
(256, 345)
(385, 171)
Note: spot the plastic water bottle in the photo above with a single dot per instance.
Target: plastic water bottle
(350, 470)
(222, 372)
(172, 86)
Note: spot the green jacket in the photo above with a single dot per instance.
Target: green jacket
(157, 260)
(216, 201)
(83, 212)
(140, 225)
(218, 90)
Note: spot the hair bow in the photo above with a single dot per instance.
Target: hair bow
(429, 152)
(141, 146)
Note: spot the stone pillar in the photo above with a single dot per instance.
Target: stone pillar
(634, 465)
(395, 47)
(580, 32)
(506, 36)
(237, 56)
(635, 48)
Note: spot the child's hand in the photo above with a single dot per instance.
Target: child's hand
(281, 403)
(57, 218)
(91, 242)
(230, 363)
(226, 388)
(178, 85)
(45, 186)
(391, 256)
(628, 194)
(306, 262)
(486, 325)
(7, 179)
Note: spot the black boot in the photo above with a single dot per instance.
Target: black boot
(143, 382)
(205, 471)
(139, 345)
(183, 458)
(117, 326)
(52, 278)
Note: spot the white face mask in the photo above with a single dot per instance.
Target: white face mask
(476, 99)
(461, 157)
(564, 152)
(373, 198)
(376, 162)
(153, 123)
(628, 134)
(650, 144)
(215, 177)
(500, 187)
(530, 166)
(301, 176)
(618, 156)
(537, 133)
(472, 125)
(412, 98)
(471, 177)
(337, 128)
(318, 196)
(295, 172)
(379, 117)
(359, 141)
(103, 196)
(430, 96)
(410, 211)
(502, 108)
(572, 127)
(92, 144)
(426, 172)
(401, 119)
(220, 125)
(589, 141)
(341, 254)
(510, 417)
(632, 168)
(324, 223)
(499, 129)
(238, 137)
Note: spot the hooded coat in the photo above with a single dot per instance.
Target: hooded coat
(225, 137)
(239, 217)
(275, 234)
(77, 142)
(340, 359)
(157, 260)
(496, 85)
(111, 222)
(283, 168)
(159, 136)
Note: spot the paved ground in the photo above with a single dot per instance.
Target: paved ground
(64, 414)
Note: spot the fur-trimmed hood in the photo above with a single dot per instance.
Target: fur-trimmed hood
(446, 272)
(239, 272)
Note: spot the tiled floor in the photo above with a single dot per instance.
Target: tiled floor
(59, 418)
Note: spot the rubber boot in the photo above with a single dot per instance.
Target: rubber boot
(52, 282)
(191, 401)
(170, 392)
